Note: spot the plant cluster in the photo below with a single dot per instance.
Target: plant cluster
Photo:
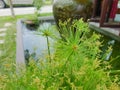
(75, 65)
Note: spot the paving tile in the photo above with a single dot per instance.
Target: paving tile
(7, 24)
(2, 41)
(3, 29)
(2, 34)
(0, 52)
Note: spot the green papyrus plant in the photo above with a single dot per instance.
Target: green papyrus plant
(75, 65)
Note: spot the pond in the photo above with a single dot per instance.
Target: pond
(31, 44)
(36, 45)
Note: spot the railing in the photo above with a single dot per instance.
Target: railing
(103, 10)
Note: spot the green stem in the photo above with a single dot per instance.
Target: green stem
(67, 61)
(48, 46)
(68, 57)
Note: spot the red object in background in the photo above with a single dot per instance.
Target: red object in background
(114, 9)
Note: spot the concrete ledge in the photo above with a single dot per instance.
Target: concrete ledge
(20, 49)
(111, 32)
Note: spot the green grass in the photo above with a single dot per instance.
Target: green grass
(48, 2)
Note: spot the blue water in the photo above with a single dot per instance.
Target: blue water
(36, 44)
(117, 18)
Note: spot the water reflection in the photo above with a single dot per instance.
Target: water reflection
(35, 46)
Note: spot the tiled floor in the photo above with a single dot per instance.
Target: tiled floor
(3, 29)
(3, 34)
(1, 41)
(1, 52)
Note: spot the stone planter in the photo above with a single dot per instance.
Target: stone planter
(72, 9)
